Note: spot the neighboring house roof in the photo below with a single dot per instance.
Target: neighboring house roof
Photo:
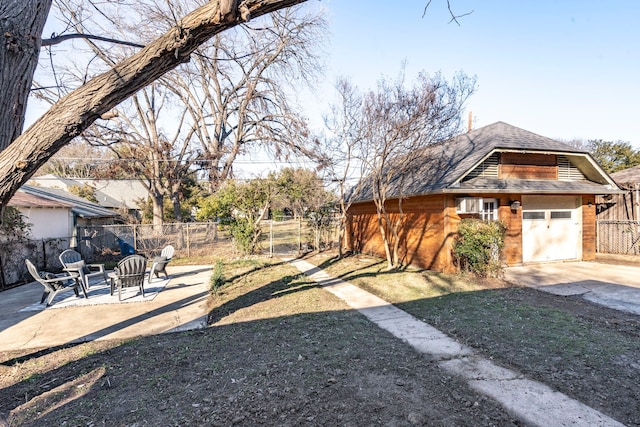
(446, 167)
(627, 176)
(24, 200)
(110, 193)
(79, 206)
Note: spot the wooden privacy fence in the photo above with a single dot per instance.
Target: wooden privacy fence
(618, 237)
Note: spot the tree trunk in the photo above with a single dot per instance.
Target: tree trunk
(21, 24)
(341, 235)
(158, 208)
(77, 111)
(177, 209)
(395, 229)
(385, 240)
(256, 225)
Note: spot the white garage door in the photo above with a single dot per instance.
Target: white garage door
(551, 228)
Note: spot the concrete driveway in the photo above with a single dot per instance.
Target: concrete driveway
(181, 305)
(612, 285)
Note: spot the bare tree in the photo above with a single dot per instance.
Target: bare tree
(22, 153)
(399, 123)
(79, 160)
(21, 24)
(238, 89)
(160, 158)
(346, 134)
(233, 90)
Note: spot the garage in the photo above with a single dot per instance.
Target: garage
(551, 228)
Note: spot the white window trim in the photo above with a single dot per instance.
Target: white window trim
(475, 205)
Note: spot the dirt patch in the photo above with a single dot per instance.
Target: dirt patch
(281, 351)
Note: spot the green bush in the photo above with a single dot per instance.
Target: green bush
(245, 235)
(217, 276)
(478, 246)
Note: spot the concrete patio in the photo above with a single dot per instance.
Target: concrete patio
(180, 305)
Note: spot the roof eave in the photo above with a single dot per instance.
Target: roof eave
(532, 191)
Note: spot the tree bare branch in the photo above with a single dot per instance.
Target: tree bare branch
(454, 17)
(57, 39)
(77, 111)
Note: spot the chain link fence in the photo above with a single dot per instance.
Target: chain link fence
(111, 242)
(292, 236)
(618, 237)
(281, 236)
(108, 243)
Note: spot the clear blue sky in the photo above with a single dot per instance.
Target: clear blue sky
(563, 69)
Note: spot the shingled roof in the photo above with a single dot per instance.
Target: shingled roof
(441, 167)
(627, 176)
(79, 206)
(24, 200)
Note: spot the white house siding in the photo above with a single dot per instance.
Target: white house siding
(48, 223)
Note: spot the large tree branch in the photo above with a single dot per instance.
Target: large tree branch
(77, 111)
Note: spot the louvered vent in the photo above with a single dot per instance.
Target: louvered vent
(567, 171)
(487, 169)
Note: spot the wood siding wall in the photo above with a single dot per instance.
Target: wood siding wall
(528, 166)
(512, 219)
(430, 226)
(423, 243)
(428, 230)
(588, 228)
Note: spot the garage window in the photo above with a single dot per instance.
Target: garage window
(560, 214)
(533, 215)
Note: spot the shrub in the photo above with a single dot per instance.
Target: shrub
(478, 246)
(217, 276)
(245, 235)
